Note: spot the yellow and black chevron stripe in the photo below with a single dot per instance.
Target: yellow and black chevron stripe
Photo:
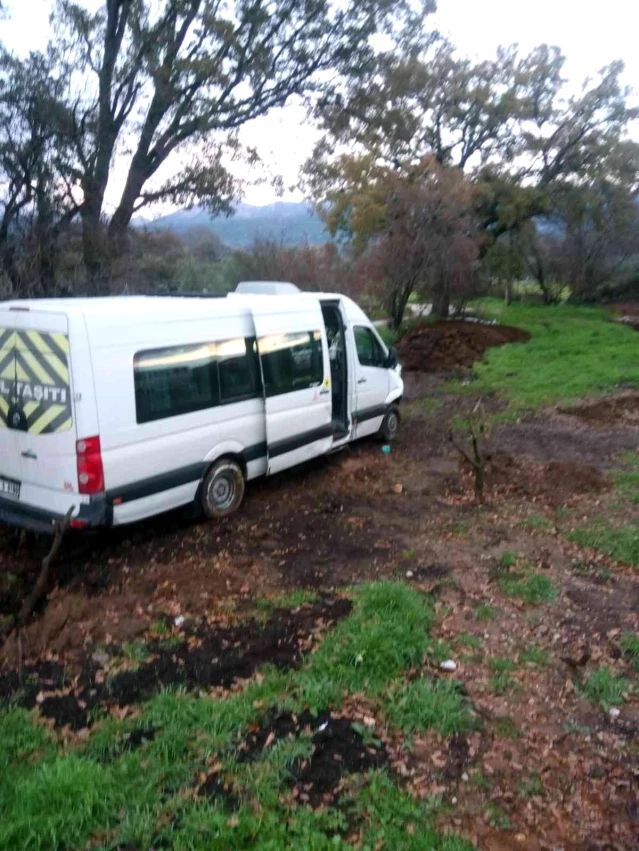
(34, 381)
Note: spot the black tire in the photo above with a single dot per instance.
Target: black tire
(222, 489)
(389, 428)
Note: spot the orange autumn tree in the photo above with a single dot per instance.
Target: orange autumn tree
(412, 228)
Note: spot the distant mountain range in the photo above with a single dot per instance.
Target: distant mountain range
(287, 222)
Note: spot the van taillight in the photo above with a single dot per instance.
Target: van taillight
(90, 470)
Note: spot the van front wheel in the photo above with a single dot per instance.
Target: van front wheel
(222, 489)
(389, 428)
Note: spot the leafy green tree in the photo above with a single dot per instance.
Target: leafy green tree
(507, 124)
(413, 231)
(36, 201)
(175, 80)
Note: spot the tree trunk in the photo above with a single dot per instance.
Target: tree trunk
(46, 242)
(121, 218)
(508, 292)
(398, 302)
(93, 253)
(441, 299)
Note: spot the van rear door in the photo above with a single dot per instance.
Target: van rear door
(42, 408)
(10, 465)
(295, 365)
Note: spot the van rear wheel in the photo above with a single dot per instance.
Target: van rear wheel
(223, 489)
(389, 428)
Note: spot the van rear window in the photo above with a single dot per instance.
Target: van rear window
(35, 393)
(183, 379)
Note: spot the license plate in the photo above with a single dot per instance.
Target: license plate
(9, 488)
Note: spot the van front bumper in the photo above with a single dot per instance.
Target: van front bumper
(92, 514)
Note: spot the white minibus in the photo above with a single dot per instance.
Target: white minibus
(120, 408)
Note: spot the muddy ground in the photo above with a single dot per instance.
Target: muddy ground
(357, 516)
(454, 344)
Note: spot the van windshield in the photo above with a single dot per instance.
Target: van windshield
(35, 394)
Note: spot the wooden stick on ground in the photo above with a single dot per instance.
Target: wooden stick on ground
(26, 610)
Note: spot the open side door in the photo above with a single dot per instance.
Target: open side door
(291, 341)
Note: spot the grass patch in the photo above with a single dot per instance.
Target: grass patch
(431, 405)
(534, 589)
(533, 655)
(484, 612)
(507, 560)
(501, 681)
(530, 787)
(574, 727)
(505, 727)
(467, 639)
(430, 704)
(287, 601)
(619, 542)
(629, 643)
(387, 812)
(606, 688)
(135, 651)
(537, 522)
(109, 793)
(498, 817)
(20, 740)
(386, 633)
(573, 352)
(627, 481)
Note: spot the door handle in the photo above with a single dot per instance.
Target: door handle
(29, 454)
(324, 392)
(361, 381)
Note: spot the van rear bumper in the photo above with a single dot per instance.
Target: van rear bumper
(92, 514)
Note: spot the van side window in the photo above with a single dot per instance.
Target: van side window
(369, 350)
(182, 379)
(238, 370)
(174, 381)
(291, 361)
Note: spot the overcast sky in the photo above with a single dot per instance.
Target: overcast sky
(591, 34)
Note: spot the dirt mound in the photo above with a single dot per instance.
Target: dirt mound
(337, 749)
(556, 482)
(624, 410)
(449, 345)
(210, 657)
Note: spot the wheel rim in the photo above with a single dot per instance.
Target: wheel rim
(392, 423)
(222, 491)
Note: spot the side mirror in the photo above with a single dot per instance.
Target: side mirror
(391, 360)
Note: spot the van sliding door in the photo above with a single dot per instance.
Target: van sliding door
(297, 385)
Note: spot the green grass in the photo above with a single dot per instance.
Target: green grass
(505, 727)
(537, 522)
(102, 794)
(533, 655)
(430, 704)
(534, 589)
(498, 817)
(386, 633)
(467, 639)
(627, 481)
(573, 352)
(606, 688)
(431, 405)
(287, 601)
(507, 560)
(530, 787)
(501, 681)
(484, 612)
(619, 542)
(387, 812)
(629, 643)
(135, 651)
